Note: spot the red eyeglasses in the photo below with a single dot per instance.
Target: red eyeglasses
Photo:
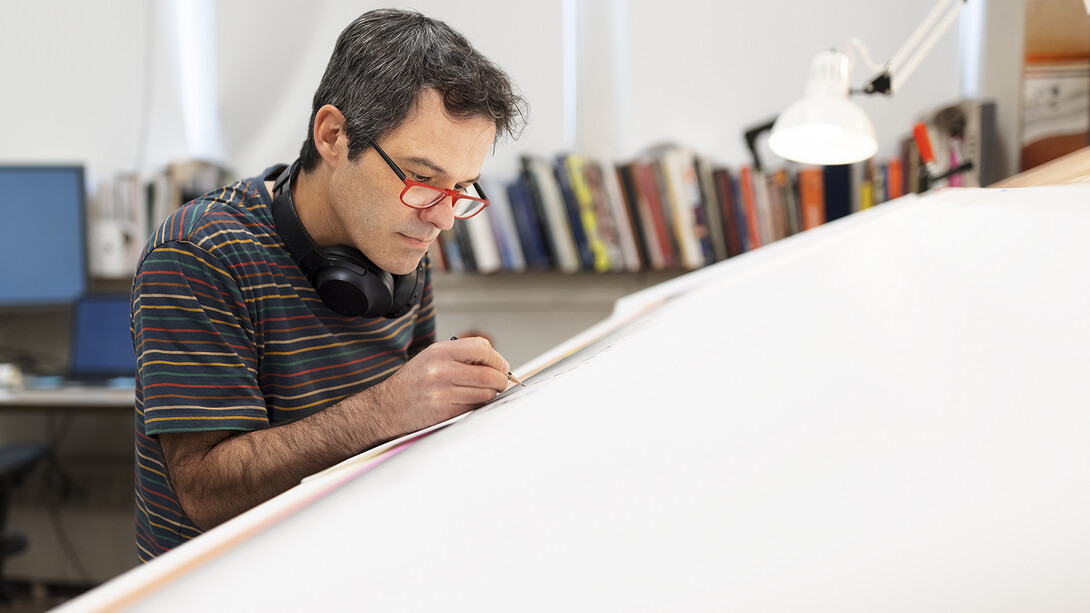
(419, 195)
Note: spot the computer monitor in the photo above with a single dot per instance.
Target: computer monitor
(42, 245)
(101, 343)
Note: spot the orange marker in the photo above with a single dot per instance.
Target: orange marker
(923, 143)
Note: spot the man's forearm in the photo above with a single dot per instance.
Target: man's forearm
(216, 480)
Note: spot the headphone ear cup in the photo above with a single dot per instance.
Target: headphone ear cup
(407, 291)
(350, 285)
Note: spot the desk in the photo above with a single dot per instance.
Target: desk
(69, 398)
(885, 413)
(76, 510)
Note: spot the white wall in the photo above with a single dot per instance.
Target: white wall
(75, 74)
(702, 73)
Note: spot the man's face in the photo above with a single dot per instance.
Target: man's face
(430, 147)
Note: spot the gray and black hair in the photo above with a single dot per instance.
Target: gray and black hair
(386, 58)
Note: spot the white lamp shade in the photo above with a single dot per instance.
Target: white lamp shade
(824, 127)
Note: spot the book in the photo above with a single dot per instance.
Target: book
(461, 238)
(878, 182)
(503, 225)
(583, 241)
(863, 185)
(608, 179)
(741, 215)
(895, 178)
(725, 187)
(766, 208)
(746, 180)
(682, 198)
(533, 242)
(789, 196)
(980, 143)
(713, 209)
(838, 191)
(663, 200)
(812, 196)
(571, 170)
(647, 183)
(549, 203)
(642, 228)
(452, 252)
(604, 184)
(482, 241)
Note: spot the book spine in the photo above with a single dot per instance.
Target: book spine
(528, 225)
(504, 229)
(713, 209)
(749, 202)
(648, 184)
(574, 215)
(838, 191)
(812, 197)
(573, 169)
(895, 185)
(549, 203)
(725, 186)
(642, 227)
(623, 219)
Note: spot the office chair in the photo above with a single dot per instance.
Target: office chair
(16, 461)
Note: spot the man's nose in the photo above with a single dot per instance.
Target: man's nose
(440, 214)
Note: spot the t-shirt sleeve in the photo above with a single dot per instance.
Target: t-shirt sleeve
(196, 354)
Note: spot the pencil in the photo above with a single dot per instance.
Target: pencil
(510, 375)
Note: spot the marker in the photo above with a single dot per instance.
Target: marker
(923, 143)
(510, 376)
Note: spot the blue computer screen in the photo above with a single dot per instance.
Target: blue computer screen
(101, 343)
(42, 254)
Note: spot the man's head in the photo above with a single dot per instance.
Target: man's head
(418, 90)
(384, 60)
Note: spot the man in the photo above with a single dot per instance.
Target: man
(255, 368)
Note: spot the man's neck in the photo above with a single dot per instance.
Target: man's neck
(308, 194)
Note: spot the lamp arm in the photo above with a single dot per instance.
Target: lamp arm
(908, 57)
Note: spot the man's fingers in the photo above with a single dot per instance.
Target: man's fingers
(477, 350)
(478, 376)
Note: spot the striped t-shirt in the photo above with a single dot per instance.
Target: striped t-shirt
(230, 335)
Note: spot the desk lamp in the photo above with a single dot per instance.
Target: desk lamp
(827, 128)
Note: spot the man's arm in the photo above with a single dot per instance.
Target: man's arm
(219, 474)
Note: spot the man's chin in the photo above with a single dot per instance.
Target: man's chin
(403, 266)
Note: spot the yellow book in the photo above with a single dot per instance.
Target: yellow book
(587, 213)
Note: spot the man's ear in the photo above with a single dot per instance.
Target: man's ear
(329, 135)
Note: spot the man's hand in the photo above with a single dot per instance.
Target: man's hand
(446, 379)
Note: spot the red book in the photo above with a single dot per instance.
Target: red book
(749, 202)
(812, 197)
(895, 185)
(725, 188)
(649, 189)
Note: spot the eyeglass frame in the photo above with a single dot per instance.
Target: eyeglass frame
(409, 184)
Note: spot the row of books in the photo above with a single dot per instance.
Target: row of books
(128, 209)
(669, 209)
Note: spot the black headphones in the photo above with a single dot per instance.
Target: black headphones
(348, 283)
